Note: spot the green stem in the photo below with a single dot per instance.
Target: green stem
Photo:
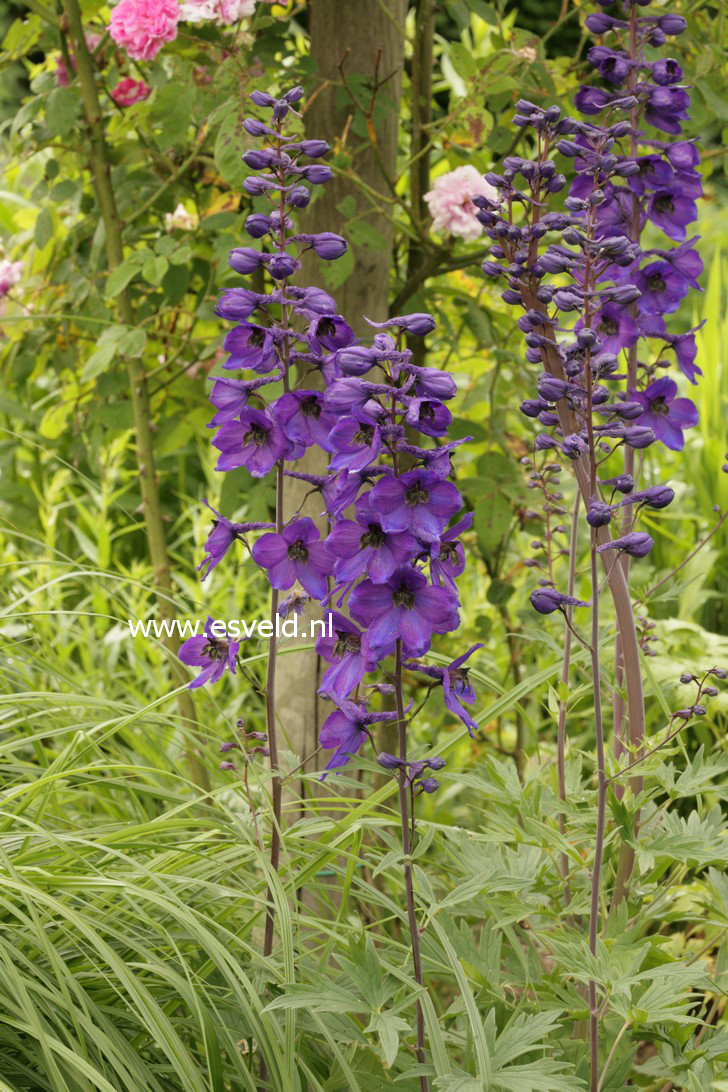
(156, 538)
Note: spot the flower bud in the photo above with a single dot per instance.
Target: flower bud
(599, 513)
(317, 174)
(281, 265)
(328, 245)
(257, 225)
(262, 98)
(299, 197)
(244, 259)
(436, 763)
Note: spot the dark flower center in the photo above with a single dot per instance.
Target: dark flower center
(448, 552)
(415, 495)
(656, 283)
(215, 650)
(458, 679)
(659, 405)
(404, 597)
(326, 327)
(427, 411)
(364, 435)
(258, 434)
(373, 538)
(311, 407)
(298, 551)
(256, 339)
(664, 203)
(608, 327)
(346, 644)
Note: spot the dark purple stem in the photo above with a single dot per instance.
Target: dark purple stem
(565, 670)
(406, 850)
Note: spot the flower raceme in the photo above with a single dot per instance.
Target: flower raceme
(593, 334)
(391, 552)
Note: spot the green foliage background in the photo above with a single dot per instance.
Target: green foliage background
(131, 901)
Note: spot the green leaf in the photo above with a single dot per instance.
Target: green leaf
(154, 269)
(363, 234)
(229, 148)
(463, 61)
(133, 343)
(388, 1027)
(499, 592)
(336, 273)
(120, 277)
(491, 523)
(98, 362)
(173, 109)
(62, 110)
(43, 229)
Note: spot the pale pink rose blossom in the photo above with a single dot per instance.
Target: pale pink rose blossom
(222, 12)
(11, 273)
(450, 202)
(142, 27)
(181, 219)
(129, 91)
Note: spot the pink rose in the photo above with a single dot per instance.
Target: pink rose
(128, 91)
(450, 202)
(142, 27)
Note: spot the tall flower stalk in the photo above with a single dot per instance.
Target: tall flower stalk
(618, 295)
(386, 571)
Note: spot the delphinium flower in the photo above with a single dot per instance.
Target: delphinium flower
(213, 652)
(592, 303)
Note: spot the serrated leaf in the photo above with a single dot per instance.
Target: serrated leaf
(62, 109)
(388, 1027)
